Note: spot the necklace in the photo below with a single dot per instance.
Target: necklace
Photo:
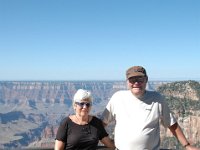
(81, 122)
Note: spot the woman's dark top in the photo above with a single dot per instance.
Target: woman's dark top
(81, 137)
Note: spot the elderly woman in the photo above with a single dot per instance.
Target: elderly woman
(81, 131)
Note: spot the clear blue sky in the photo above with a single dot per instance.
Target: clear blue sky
(99, 39)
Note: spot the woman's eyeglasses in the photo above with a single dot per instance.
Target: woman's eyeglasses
(82, 104)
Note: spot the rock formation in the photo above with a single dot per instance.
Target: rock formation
(30, 111)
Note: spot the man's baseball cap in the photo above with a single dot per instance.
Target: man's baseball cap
(136, 71)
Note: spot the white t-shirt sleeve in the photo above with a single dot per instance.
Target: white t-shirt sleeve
(167, 118)
(108, 114)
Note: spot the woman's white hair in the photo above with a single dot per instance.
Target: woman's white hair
(81, 95)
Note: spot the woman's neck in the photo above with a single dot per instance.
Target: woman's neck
(82, 120)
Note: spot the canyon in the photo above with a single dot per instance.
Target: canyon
(30, 111)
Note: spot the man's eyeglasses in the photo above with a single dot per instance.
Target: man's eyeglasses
(82, 104)
(137, 79)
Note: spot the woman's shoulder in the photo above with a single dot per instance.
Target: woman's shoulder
(65, 121)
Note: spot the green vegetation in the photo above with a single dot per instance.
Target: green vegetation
(183, 106)
(179, 98)
(183, 98)
(171, 143)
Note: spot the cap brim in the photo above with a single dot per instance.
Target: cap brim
(135, 74)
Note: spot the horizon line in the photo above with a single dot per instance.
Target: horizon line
(53, 80)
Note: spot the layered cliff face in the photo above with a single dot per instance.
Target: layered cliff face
(54, 92)
(183, 90)
(30, 112)
(184, 101)
(38, 107)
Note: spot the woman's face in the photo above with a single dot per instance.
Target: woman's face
(83, 108)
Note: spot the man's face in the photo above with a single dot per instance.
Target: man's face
(137, 85)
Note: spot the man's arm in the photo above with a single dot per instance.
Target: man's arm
(108, 142)
(178, 133)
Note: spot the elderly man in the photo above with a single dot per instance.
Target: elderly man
(138, 114)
